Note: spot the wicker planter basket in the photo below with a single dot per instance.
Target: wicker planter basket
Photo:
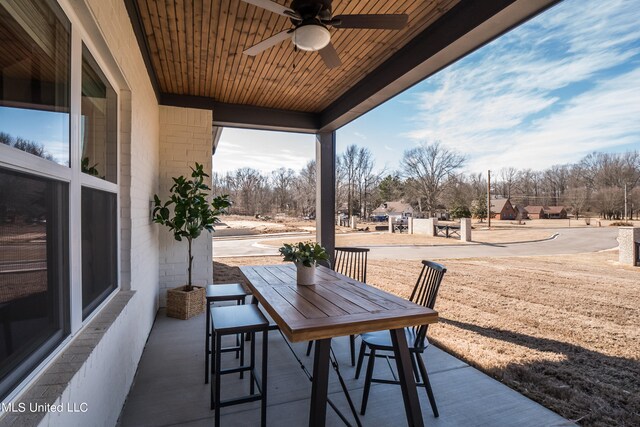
(184, 305)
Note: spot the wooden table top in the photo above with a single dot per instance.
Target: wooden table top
(335, 306)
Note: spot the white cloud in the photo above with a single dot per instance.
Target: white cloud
(262, 150)
(543, 94)
(600, 119)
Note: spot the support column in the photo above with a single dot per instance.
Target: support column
(431, 226)
(186, 137)
(628, 238)
(326, 191)
(465, 229)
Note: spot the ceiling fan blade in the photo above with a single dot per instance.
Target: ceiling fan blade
(382, 22)
(330, 56)
(273, 7)
(267, 43)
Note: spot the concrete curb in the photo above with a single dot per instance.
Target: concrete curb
(552, 237)
(259, 236)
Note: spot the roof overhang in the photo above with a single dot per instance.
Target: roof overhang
(464, 28)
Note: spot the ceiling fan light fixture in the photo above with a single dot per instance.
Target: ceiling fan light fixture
(311, 37)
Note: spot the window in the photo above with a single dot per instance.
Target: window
(45, 206)
(98, 141)
(34, 79)
(33, 272)
(98, 126)
(99, 248)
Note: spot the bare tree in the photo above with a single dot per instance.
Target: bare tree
(431, 166)
(508, 180)
(366, 180)
(349, 165)
(25, 145)
(282, 184)
(634, 202)
(430, 181)
(305, 189)
(459, 194)
(251, 191)
(606, 175)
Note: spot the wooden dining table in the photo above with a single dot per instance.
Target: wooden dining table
(335, 306)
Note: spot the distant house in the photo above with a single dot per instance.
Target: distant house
(546, 212)
(391, 209)
(503, 209)
(522, 211)
(535, 212)
(555, 212)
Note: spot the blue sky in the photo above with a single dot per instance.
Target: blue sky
(563, 85)
(45, 127)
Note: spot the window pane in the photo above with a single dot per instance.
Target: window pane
(33, 272)
(34, 78)
(99, 124)
(99, 247)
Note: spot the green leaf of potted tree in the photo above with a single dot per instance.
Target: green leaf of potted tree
(305, 255)
(192, 214)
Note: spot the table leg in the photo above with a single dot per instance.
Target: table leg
(407, 381)
(320, 384)
(207, 342)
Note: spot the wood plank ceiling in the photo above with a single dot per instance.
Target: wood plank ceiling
(195, 48)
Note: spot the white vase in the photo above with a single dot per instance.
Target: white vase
(305, 275)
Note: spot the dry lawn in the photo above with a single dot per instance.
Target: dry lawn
(561, 330)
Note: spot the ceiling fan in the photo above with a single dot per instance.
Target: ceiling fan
(310, 19)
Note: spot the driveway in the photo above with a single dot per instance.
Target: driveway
(566, 241)
(239, 246)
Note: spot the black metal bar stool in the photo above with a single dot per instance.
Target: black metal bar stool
(215, 293)
(233, 320)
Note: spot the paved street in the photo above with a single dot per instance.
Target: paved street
(567, 241)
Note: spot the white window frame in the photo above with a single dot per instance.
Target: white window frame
(19, 161)
(79, 37)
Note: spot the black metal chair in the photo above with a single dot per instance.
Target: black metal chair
(234, 320)
(352, 262)
(424, 293)
(216, 293)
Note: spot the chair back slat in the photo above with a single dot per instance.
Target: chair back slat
(352, 262)
(425, 293)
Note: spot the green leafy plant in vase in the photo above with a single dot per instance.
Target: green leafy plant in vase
(192, 214)
(305, 255)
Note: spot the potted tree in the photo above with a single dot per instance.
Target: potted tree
(192, 214)
(305, 255)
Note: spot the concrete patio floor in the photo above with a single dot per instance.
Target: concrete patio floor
(169, 388)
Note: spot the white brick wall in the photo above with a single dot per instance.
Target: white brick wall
(424, 226)
(186, 137)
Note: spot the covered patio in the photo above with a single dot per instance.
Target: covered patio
(179, 75)
(168, 389)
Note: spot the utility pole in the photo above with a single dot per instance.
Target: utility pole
(489, 198)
